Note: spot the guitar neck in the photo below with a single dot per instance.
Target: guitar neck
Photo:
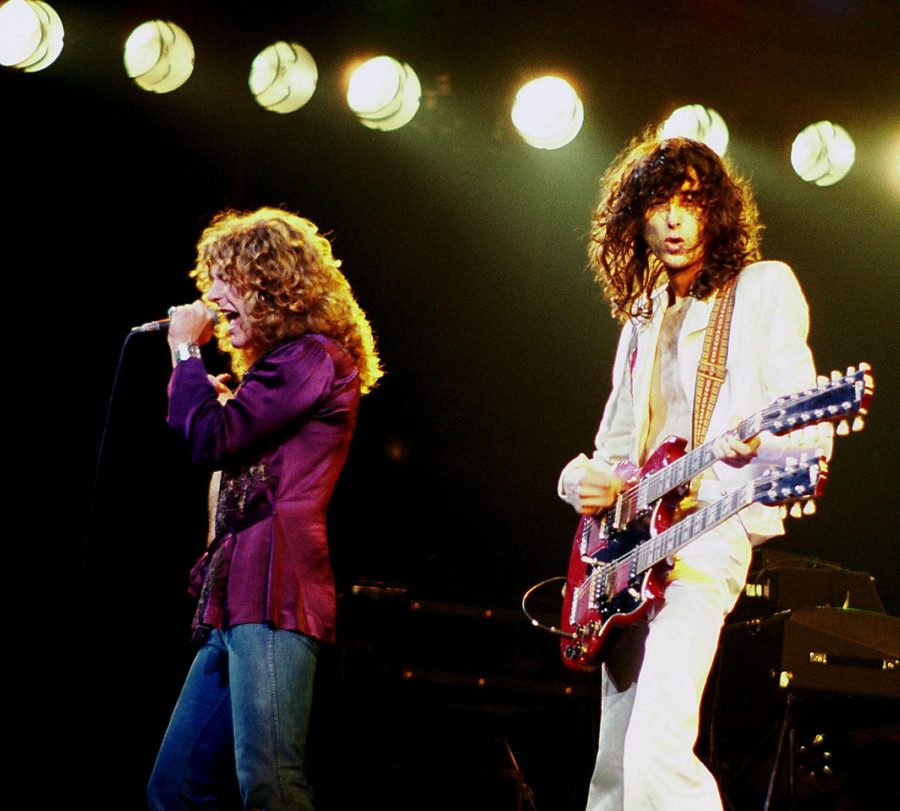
(776, 487)
(611, 578)
(831, 401)
(655, 550)
(680, 472)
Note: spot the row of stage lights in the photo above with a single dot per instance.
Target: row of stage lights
(383, 93)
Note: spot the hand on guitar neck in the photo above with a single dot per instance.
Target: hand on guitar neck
(590, 489)
(729, 449)
(597, 490)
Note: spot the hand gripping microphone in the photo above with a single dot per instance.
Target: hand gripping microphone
(163, 323)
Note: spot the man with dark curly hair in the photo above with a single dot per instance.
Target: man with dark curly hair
(674, 226)
(303, 352)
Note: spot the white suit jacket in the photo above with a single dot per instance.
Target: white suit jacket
(767, 357)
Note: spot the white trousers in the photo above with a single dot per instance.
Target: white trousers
(653, 682)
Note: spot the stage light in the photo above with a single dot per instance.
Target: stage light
(892, 165)
(547, 113)
(384, 94)
(823, 153)
(31, 35)
(283, 77)
(698, 123)
(159, 56)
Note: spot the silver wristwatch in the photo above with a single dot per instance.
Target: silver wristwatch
(185, 350)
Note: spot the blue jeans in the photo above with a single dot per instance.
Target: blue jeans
(244, 707)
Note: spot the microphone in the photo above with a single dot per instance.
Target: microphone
(163, 323)
(153, 326)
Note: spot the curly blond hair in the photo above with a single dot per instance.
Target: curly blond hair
(290, 281)
(649, 171)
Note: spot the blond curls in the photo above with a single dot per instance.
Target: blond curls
(290, 281)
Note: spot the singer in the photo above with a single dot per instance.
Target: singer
(302, 352)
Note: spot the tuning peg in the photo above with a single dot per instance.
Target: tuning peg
(791, 461)
(842, 429)
(858, 424)
(851, 370)
(821, 380)
(835, 375)
(809, 508)
(864, 367)
(782, 512)
(796, 510)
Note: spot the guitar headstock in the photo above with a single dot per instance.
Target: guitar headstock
(796, 484)
(834, 399)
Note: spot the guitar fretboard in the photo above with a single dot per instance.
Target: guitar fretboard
(641, 496)
(785, 414)
(611, 578)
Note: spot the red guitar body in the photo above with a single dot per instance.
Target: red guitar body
(590, 620)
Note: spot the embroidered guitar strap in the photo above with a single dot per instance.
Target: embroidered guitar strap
(711, 368)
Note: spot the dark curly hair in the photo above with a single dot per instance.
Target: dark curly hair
(650, 171)
(291, 282)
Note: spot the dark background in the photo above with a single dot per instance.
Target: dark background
(466, 248)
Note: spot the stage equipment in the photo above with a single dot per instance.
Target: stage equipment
(384, 94)
(31, 35)
(805, 694)
(698, 123)
(841, 650)
(547, 113)
(283, 77)
(779, 580)
(823, 153)
(159, 56)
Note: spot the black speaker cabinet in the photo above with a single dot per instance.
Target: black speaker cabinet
(780, 580)
(835, 650)
(802, 706)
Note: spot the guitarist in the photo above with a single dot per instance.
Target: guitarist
(675, 228)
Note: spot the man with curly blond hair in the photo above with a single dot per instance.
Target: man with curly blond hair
(303, 353)
(674, 226)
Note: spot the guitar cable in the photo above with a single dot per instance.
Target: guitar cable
(536, 623)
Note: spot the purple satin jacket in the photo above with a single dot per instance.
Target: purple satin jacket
(281, 444)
